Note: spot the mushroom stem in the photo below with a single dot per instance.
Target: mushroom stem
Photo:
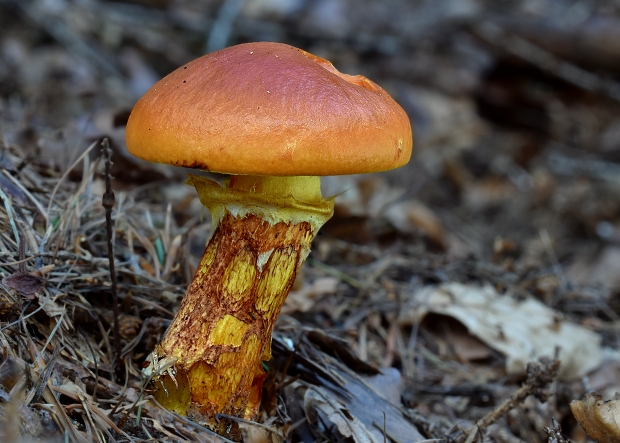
(222, 331)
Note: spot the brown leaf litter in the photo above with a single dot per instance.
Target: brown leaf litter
(515, 184)
(57, 373)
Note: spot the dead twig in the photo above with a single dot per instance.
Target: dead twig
(555, 432)
(539, 375)
(108, 203)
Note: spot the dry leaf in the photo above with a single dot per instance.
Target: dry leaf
(262, 433)
(358, 395)
(44, 270)
(349, 426)
(600, 419)
(521, 330)
(27, 285)
(388, 384)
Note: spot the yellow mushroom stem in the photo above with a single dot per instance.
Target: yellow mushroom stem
(222, 332)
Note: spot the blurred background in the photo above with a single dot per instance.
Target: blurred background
(514, 180)
(514, 106)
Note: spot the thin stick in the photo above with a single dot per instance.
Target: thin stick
(539, 376)
(108, 202)
(66, 255)
(11, 263)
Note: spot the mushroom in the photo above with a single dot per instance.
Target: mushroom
(276, 118)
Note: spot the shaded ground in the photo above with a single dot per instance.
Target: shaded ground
(513, 194)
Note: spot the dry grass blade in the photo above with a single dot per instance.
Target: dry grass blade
(72, 294)
(61, 180)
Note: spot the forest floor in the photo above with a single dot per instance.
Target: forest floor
(471, 295)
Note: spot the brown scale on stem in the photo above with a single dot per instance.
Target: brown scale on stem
(223, 328)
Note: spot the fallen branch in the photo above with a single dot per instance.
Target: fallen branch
(539, 375)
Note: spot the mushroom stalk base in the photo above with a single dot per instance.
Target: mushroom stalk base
(222, 331)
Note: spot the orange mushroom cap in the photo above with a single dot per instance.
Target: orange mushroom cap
(269, 109)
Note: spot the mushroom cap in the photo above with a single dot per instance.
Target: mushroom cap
(269, 109)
